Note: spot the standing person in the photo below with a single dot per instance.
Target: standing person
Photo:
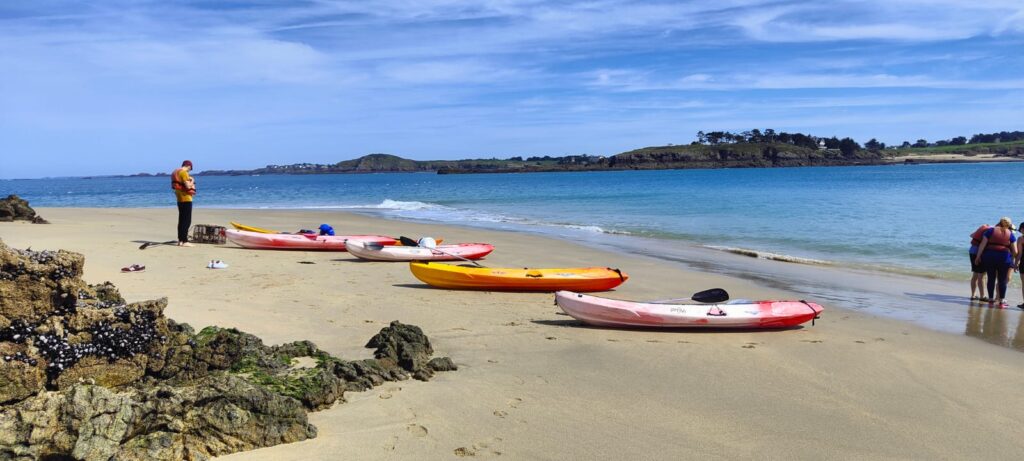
(997, 253)
(1019, 264)
(184, 188)
(977, 271)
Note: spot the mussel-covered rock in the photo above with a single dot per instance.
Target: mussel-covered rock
(85, 375)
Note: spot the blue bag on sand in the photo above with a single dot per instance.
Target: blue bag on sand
(326, 229)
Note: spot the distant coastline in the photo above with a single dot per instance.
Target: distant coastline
(694, 156)
(712, 150)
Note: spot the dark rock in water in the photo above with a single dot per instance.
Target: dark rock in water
(86, 376)
(15, 208)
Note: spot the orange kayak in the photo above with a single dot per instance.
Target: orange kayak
(462, 277)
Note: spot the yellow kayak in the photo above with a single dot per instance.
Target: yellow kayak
(243, 227)
(461, 277)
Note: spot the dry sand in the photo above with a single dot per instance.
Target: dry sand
(534, 384)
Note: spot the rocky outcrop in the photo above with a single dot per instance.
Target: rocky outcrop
(15, 208)
(85, 375)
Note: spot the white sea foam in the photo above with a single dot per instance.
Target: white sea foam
(772, 256)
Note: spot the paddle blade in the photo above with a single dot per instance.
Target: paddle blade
(714, 295)
(408, 241)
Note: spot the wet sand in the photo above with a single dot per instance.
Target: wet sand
(534, 384)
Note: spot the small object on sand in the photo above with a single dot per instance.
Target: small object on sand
(217, 264)
(134, 268)
(306, 262)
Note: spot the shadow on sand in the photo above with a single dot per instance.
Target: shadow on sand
(579, 324)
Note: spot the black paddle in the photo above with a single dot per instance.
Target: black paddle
(713, 295)
(150, 244)
(412, 243)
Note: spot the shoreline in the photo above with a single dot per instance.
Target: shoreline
(933, 302)
(534, 384)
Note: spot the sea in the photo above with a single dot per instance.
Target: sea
(905, 220)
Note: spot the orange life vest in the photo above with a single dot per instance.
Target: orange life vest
(1000, 240)
(976, 236)
(177, 184)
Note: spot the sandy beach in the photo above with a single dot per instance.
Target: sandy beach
(535, 384)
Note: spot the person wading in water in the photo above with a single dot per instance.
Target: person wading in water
(996, 254)
(184, 188)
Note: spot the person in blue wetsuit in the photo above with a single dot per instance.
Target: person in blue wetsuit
(997, 253)
(326, 229)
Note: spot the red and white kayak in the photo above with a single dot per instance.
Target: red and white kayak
(599, 311)
(459, 251)
(313, 242)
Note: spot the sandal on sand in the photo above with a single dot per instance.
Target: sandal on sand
(983, 299)
(134, 268)
(1003, 305)
(1020, 306)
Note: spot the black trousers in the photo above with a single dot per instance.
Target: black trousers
(184, 220)
(997, 277)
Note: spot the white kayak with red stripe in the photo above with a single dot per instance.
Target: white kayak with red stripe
(261, 241)
(374, 252)
(595, 310)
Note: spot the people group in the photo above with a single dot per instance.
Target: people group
(995, 253)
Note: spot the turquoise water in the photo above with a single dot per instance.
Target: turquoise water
(911, 219)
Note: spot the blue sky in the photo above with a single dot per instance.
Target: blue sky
(112, 87)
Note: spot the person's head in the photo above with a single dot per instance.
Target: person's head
(187, 164)
(1005, 223)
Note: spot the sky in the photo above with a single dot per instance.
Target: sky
(122, 87)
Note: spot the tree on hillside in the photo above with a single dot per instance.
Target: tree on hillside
(921, 143)
(958, 141)
(848, 147)
(905, 145)
(873, 144)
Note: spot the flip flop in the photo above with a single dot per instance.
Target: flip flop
(134, 268)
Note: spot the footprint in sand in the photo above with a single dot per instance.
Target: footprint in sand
(684, 342)
(417, 430)
(653, 340)
(514, 402)
(749, 345)
(483, 447)
(811, 341)
(860, 342)
(612, 340)
(551, 338)
(500, 414)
